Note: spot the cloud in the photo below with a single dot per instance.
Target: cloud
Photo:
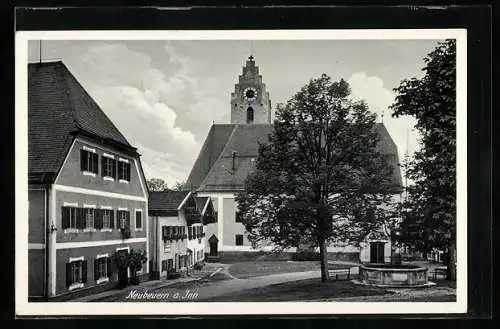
(133, 94)
(372, 90)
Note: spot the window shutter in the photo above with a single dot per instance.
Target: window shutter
(98, 219)
(83, 160)
(113, 168)
(117, 169)
(104, 161)
(69, 276)
(138, 219)
(112, 218)
(80, 218)
(84, 271)
(108, 267)
(65, 217)
(95, 158)
(96, 269)
(127, 221)
(128, 172)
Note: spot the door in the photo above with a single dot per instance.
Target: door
(122, 268)
(377, 252)
(213, 249)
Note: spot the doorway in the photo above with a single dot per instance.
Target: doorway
(213, 249)
(121, 257)
(377, 252)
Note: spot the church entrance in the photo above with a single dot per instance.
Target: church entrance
(213, 249)
(377, 252)
(213, 242)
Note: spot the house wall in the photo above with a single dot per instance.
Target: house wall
(168, 249)
(71, 175)
(231, 228)
(36, 272)
(81, 199)
(37, 213)
(73, 187)
(197, 244)
(89, 253)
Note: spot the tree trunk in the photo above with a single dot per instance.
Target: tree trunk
(451, 273)
(324, 261)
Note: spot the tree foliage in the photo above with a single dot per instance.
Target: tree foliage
(156, 185)
(430, 219)
(179, 186)
(320, 177)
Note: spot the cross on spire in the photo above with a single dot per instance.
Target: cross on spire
(250, 57)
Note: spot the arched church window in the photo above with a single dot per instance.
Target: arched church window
(249, 115)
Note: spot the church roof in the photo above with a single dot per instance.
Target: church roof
(215, 169)
(58, 109)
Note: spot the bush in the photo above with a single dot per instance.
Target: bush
(306, 256)
(173, 275)
(198, 265)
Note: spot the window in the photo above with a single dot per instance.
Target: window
(76, 273)
(124, 170)
(102, 268)
(108, 167)
(89, 161)
(89, 214)
(250, 115)
(107, 219)
(123, 218)
(68, 219)
(239, 239)
(138, 220)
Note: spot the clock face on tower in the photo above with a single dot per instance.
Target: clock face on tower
(250, 94)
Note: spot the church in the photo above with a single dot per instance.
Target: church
(228, 156)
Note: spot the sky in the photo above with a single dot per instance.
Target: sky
(164, 95)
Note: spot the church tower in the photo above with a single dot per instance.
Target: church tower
(250, 101)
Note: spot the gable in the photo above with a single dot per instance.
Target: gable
(59, 109)
(210, 151)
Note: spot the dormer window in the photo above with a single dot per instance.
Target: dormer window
(123, 170)
(108, 167)
(89, 161)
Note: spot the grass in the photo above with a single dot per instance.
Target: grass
(243, 270)
(302, 290)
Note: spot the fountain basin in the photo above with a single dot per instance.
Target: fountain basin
(394, 276)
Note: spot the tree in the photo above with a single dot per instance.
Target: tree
(179, 186)
(430, 214)
(156, 185)
(135, 261)
(319, 178)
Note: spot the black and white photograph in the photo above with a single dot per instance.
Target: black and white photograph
(317, 170)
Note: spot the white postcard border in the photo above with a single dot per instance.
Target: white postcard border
(23, 307)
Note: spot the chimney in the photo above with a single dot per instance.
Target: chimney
(234, 160)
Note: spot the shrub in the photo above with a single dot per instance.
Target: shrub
(306, 256)
(173, 275)
(198, 265)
